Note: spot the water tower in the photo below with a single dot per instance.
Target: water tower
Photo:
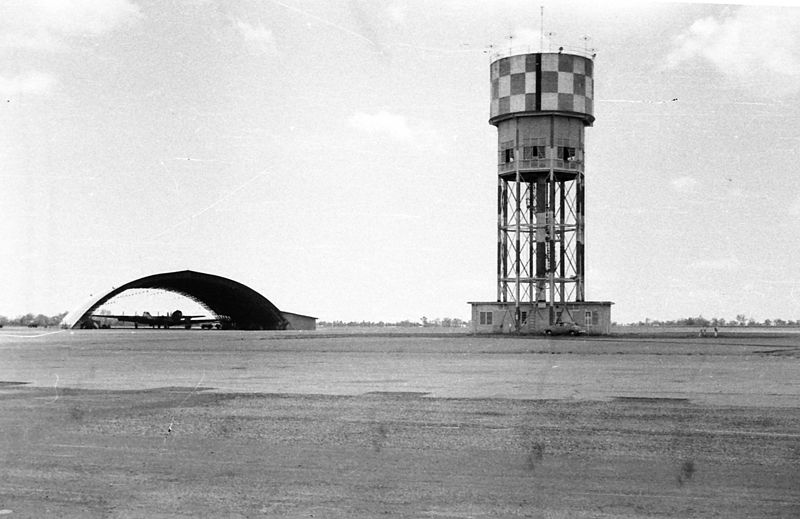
(541, 103)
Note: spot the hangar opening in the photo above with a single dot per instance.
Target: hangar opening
(233, 304)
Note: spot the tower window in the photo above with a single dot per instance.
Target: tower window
(532, 152)
(508, 155)
(568, 154)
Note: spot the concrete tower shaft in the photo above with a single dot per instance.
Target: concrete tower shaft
(541, 104)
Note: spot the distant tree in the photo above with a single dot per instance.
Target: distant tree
(693, 321)
(55, 320)
(767, 322)
(41, 320)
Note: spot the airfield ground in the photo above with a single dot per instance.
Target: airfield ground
(155, 423)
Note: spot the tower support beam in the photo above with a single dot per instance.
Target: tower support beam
(539, 241)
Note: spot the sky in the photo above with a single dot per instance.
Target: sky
(336, 156)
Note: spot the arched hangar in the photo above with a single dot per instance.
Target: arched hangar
(237, 306)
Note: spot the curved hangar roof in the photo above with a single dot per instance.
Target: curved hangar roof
(247, 309)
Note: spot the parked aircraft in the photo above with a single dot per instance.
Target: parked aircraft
(176, 318)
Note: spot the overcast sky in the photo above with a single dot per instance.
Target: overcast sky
(336, 157)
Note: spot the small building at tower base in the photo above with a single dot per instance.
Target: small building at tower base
(535, 318)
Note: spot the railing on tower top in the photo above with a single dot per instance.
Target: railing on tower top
(552, 48)
(571, 165)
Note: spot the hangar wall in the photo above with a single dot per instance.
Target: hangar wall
(299, 321)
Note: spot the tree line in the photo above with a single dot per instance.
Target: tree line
(423, 322)
(740, 320)
(33, 320)
(41, 320)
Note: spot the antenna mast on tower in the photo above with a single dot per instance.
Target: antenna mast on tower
(541, 28)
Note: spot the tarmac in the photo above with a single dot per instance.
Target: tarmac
(155, 423)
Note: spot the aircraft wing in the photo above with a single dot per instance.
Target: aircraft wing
(141, 319)
(160, 320)
(147, 318)
(187, 319)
